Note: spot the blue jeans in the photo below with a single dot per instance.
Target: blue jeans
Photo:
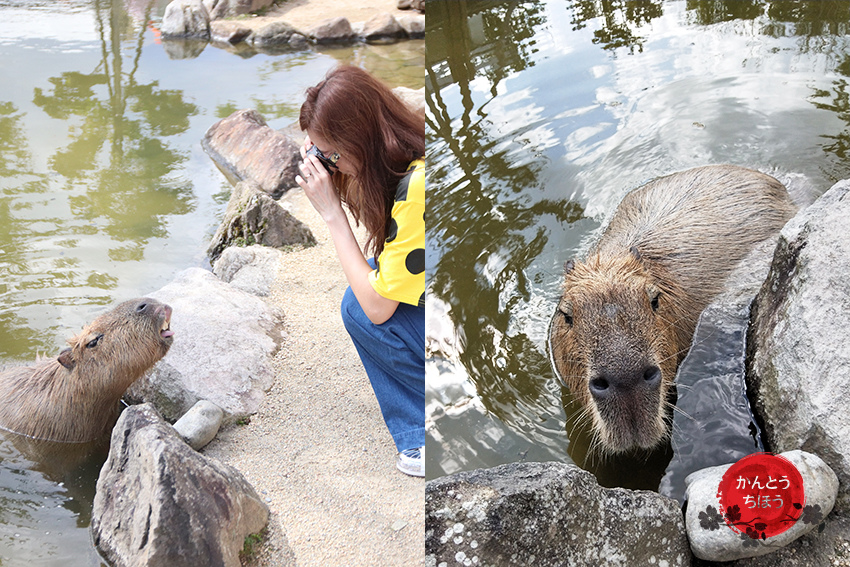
(393, 355)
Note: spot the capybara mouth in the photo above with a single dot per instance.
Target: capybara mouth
(624, 430)
(165, 331)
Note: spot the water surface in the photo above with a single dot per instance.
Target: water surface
(541, 116)
(106, 194)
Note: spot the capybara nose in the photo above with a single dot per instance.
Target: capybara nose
(610, 383)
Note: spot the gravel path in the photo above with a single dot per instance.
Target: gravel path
(318, 450)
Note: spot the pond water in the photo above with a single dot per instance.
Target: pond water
(541, 116)
(105, 192)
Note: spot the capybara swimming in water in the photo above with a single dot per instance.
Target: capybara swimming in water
(74, 397)
(628, 311)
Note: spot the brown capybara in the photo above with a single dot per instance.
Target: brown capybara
(627, 314)
(74, 397)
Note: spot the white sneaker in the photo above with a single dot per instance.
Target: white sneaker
(412, 461)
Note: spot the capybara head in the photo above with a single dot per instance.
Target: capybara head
(73, 398)
(616, 342)
(119, 346)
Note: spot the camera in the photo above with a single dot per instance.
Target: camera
(328, 162)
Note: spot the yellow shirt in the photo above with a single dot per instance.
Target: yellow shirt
(400, 275)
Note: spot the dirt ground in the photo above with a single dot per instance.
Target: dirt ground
(318, 451)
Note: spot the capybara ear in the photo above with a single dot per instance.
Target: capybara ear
(66, 358)
(635, 252)
(569, 265)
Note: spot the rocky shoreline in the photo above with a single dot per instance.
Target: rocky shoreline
(189, 25)
(487, 517)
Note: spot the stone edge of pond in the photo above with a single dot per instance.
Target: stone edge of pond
(190, 21)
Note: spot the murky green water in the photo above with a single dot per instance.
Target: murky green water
(105, 192)
(542, 115)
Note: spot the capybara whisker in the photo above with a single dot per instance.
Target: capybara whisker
(73, 397)
(627, 313)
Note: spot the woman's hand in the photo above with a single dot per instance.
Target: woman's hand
(319, 188)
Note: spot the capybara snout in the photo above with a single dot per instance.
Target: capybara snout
(627, 313)
(74, 397)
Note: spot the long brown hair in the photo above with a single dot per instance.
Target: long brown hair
(368, 124)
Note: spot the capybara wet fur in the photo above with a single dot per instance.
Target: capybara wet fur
(74, 398)
(628, 312)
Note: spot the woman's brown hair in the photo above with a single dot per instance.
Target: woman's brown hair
(369, 125)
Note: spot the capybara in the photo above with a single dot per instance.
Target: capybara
(628, 312)
(74, 398)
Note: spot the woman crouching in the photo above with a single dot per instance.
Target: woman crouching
(364, 148)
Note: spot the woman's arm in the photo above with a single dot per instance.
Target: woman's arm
(319, 188)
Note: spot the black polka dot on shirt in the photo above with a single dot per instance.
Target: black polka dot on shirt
(415, 261)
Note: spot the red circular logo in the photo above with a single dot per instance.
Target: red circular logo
(761, 495)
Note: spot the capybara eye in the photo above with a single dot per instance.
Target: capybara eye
(141, 307)
(654, 293)
(93, 343)
(567, 311)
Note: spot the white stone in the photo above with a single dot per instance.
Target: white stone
(199, 425)
(820, 486)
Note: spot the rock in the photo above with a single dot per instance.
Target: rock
(199, 425)
(298, 41)
(223, 344)
(414, 99)
(382, 28)
(252, 269)
(244, 147)
(722, 543)
(798, 345)
(413, 25)
(274, 33)
(411, 5)
(252, 217)
(226, 31)
(161, 504)
(185, 19)
(232, 8)
(714, 424)
(334, 30)
(548, 514)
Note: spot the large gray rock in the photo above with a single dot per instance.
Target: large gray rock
(252, 269)
(333, 30)
(252, 217)
(798, 344)
(548, 514)
(223, 344)
(413, 25)
(713, 424)
(712, 539)
(185, 19)
(414, 99)
(228, 31)
(382, 28)
(274, 33)
(231, 8)
(244, 147)
(159, 503)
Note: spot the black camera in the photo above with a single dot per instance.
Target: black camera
(328, 162)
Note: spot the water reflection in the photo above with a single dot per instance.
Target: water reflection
(105, 194)
(45, 507)
(533, 140)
